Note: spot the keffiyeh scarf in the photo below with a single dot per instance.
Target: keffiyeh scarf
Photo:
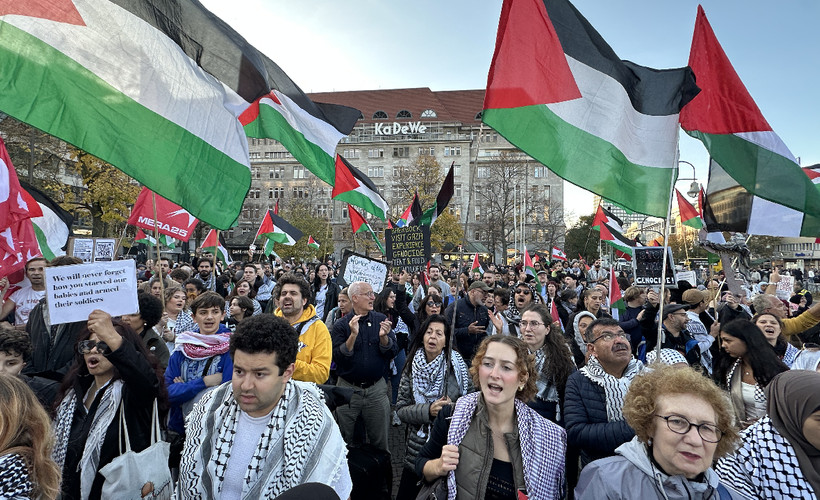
(195, 345)
(512, 313)
(428, 379)
(543, 447)
(106, 411)
(300, 444)
(614, 388)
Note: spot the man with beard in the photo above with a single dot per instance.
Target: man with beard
(24, 299)
(435, 279)
(472, 319)
(315, 347)
(262, 433)
(521, 295)
(595, 394)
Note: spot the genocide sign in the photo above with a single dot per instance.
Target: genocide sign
(648, 262)
(408, 247)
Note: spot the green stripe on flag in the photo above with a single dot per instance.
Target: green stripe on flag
(42, 241)
(152, 145)
(559, 146)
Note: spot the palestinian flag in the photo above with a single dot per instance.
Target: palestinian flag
(558, 254)
(559, 93)
(215, 245)
(413, 212)
(554, 313)
(529, 269)
(688, 215)
(360, 226)
(445, 194)
(53, 226)
(476, 267)
(106, 76)
(612, 232)
(277, 230)
(312, 243)
(583, 262)
(142, 237)
(353, 187)
(782, 200)
(616, 301)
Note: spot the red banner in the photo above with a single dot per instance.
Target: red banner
(172, 220)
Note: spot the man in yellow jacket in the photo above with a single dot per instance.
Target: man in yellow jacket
(315, 347)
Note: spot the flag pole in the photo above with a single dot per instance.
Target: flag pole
(156, 245)
(216, 260)
(665, 259)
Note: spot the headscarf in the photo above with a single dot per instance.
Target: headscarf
(792, 397)
(582, 344)
(512, 313)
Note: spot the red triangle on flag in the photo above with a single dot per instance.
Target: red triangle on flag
(356, 220)
(62, 11)
(344, 179)
(266, 227)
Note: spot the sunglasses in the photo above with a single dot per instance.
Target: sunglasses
(86, 346)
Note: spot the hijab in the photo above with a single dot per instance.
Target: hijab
(792, 397)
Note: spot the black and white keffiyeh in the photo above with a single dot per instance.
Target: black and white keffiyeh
(760, 396)
(765, 465)
(14, 477)
(300, 444)
(543, 447)
(106, 411)
(614, 388)
(428, 379)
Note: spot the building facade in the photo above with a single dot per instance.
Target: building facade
(498, 189)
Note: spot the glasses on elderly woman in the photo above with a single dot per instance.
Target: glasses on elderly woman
(679, 425)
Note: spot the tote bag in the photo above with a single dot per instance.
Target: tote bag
(136, 476)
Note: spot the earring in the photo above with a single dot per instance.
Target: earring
(649, 442)
(520, 388)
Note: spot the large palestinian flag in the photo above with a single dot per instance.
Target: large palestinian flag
(53, 227)
(782, 200)
(156, 89)
(352, 186)
(559, 93)
(278, 230)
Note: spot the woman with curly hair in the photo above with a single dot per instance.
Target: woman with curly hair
(746, 371)
(491, 444)
(682, 423)
(772, 328)
(553, 360)
(26, 467)
(243, 288)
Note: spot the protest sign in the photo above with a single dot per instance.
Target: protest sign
(74, 291)
(785, 287)
(648, 266)
(82, 248)
(104, 249)
(357, 267)
(689, 276)
(408, 247)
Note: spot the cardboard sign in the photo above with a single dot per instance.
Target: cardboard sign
(72, 292)
(647, 263)
(408, 247)
(357, 267)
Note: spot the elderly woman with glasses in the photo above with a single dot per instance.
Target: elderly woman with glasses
(682, 423)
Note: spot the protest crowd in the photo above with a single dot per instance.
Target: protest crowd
(266, 376)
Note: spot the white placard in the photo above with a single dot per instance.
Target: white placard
(72, 292)
(785, 287)
(357, 267)
(689, 276)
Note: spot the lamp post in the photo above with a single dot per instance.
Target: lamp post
(694, 188)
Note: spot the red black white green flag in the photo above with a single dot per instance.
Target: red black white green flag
(215, 244)
(476, 267)
(312, 243)
(688, 215)
(353, 187)
(360, 225)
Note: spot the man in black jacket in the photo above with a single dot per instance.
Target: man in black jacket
(472, 319)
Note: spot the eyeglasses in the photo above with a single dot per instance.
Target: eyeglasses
(86, 346)
(534, 324)
(367, 294)
(679, 425)
(521, 290)
(610, 336)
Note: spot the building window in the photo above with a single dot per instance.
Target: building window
(344, 212)
(380, 115)
(456, 170)
(452, 150)
(482, 172)
(277, 193)
(404, 114)
(375, 153)
(477, 213)
(540, 172)
(424, 150)
(458, 190)
(352, 153)
(476, 236)
(276, 173)
(299, 172)
(322, 211)
(375, 171)
(428, 113)
(255, 156)
(300, 192)
(401, 152)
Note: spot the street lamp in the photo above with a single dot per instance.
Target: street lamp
(694, 188)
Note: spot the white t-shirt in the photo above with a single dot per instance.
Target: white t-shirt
(24, 301)
(248, 433)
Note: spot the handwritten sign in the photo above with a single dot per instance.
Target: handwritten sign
(785, 287)
(357, 267)
(74, 291)
(408, 247)
(689, 276)
(648, 266)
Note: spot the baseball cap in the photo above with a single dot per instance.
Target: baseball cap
(694, 296)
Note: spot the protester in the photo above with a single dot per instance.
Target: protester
(263, 433)
(749, 367)
(553, 361)
(667, 459)
(780, 454)
(595, 393)
(175, 319)
(392, 302)
(15, 354)
(527, 451)
(471, 319)
(240, 308)
(315, 347)
(244, 288)
(522, 295)
(677, 336)
(807, 359)
(772, 328)
(430, 305)
(498, 322)
(344, 306)
(363, 346)
(590, 301)
(113, 368)
(422, 392)
(143, 322)
(325, 292)
(27, 469)
(23, 300)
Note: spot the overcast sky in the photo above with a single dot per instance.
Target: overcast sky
(333, 45)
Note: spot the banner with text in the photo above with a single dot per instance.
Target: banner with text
(72, 292)
(648, 267)
(357, 267)
(408, 247)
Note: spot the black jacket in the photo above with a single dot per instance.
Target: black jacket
(588, 427)
(140, 387)
(331, 297)
(466, 342)
(52, 349)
